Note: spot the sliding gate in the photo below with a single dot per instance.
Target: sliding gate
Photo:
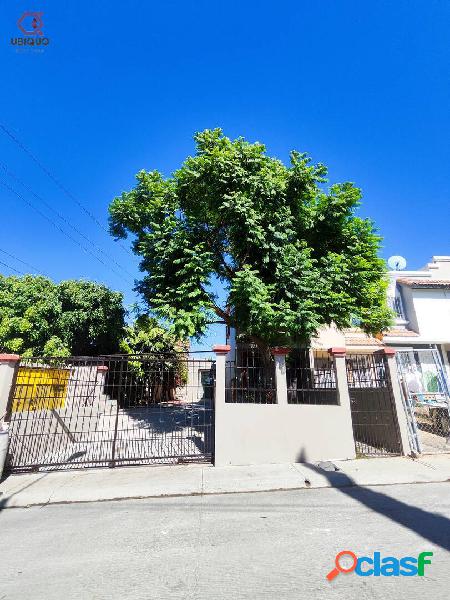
(109, 411)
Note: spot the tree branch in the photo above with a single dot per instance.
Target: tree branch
(223, 314)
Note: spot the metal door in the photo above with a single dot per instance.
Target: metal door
(374, 418)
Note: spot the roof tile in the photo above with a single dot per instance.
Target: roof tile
(400, 333)
(424, 283)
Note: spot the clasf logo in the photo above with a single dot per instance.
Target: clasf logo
(376, 565)
(31, 25)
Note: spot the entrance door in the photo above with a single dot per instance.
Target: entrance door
(374, 418)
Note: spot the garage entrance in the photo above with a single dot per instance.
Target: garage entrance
(111, 411)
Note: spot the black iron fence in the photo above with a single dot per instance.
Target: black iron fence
(375, 427)
(311, 377)
(158, 408)
(250, 377)
(111, 410)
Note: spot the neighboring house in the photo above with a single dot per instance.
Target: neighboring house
(421, 336)
(421, 301)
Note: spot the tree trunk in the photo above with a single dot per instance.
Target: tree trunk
(265, 354)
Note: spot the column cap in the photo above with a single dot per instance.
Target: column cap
(221, 348)
(388, 351)
(102, 369)
(9, 357)
(337, 351)
(280, 350)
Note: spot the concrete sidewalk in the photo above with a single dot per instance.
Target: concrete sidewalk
(96, 485)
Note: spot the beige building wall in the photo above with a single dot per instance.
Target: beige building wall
(252, 434)
(329, 337)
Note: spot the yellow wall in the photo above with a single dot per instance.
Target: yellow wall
(38, 388)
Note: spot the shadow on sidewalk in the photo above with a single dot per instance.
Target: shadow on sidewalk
(4, 501)
(430, 526)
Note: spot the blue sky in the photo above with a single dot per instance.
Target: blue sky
(363, 87)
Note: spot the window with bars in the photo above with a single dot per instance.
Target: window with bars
(250, 378)
(311, 377)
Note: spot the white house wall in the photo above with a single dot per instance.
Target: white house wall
(408, 306)
(431, 313)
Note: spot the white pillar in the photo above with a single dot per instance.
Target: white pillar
(398, 402)
(280, 374)
(340, 369)
(220, 430)
(100, 382)
(446, 363)
(343, 395)
(9, 363)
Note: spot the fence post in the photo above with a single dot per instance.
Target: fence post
(9, 364)
(340, 369)
(221, 352)
(398, 403)
(100, 380)
(279, 355)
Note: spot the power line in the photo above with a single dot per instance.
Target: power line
(20, 260)
(60, 216)
(72, 197)
(58, 183)
(74, 240)
(12, 268)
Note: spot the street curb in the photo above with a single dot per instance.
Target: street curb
(201, 494)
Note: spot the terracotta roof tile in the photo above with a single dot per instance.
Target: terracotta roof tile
(425, 283)
(353, 339)
(362, 341)
(400, 333)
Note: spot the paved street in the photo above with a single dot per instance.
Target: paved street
(277, 545)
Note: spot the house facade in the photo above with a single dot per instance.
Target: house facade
(421, 337)
(421, 301)
(420, 341)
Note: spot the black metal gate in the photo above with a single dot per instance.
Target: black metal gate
(375, 427)
(109, 411)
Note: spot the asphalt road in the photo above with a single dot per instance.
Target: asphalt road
(277, 545)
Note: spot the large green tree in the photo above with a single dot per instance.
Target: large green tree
(41, 318)
(165, 368)
(145, 335)
(290, 253)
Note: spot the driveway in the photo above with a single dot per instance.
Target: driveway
(85, 435)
